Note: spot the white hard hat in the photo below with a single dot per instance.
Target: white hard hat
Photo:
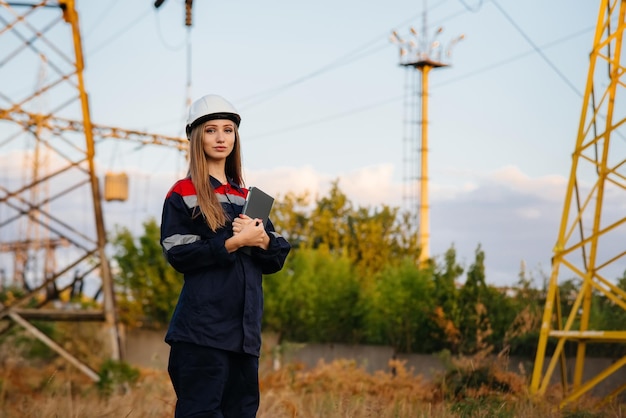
(210, 107)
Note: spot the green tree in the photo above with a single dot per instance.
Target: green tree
(290, 216)
(527, 304)
(146, 286)
(328, 221)
(473, 321)
(500, 309)
(399, 308)
(446, 335)
(613, 316)
(314, 299)
(370, 238)
(608, 315)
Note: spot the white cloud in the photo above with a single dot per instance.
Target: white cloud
(371, 186)
(513, 217)
(367, 186)
(279, 181)
(528, 213)
(550, 187)
(448, 192)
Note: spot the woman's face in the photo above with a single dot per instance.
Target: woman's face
(218, 138)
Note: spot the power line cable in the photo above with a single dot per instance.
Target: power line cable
(327, 118)
(162, 38)
(516, 58)
(363, 51)
(116, 35)
(348, 58)
(544, 57)
(470, 8)
(344, 60)
(268, 94)
(537, 49)
(101, 17)
(354, 55)
(450, 81)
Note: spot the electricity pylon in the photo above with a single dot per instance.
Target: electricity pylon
(71, 211)
(593, 223)
(423, 54)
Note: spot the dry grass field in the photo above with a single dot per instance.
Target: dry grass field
(336, 390)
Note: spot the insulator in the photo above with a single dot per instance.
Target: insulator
(188, 12)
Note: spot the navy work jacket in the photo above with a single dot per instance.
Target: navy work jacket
(221, 302)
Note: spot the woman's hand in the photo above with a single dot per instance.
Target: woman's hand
(250, 232)
(241, 222)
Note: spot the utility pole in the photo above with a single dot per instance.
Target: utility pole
(423, 54)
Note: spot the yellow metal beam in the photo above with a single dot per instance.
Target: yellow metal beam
(58, 125)
(596, 178)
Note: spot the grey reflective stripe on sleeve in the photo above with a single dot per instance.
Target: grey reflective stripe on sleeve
(179, 239)
(276, 234)
(191, 201)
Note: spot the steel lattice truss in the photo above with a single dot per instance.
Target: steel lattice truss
(52, 236)
(593, 223)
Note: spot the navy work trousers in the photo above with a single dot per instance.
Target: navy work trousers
(213, 383)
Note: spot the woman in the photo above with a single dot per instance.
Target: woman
(215, 330)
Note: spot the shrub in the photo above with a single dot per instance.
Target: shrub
(116, 376)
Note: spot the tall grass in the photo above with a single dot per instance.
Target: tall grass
(337, 389)
(34, 383)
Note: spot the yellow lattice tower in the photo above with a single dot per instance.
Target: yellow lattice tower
(72, 210)
(592, 233)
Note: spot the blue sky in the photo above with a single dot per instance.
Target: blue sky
(321, 91)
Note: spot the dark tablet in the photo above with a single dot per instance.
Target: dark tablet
(258, 204)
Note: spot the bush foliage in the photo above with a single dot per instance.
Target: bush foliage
(353, 276)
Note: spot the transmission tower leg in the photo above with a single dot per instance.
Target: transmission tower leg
(583, 246)
(71, 17)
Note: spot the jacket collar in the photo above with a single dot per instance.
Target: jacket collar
(216, 183)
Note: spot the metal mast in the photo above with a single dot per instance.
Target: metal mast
(593, 217)
(71, 212)
(421, 53)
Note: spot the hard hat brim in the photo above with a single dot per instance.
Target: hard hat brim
(220, 115)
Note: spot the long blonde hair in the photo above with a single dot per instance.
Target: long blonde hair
(208, 205)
